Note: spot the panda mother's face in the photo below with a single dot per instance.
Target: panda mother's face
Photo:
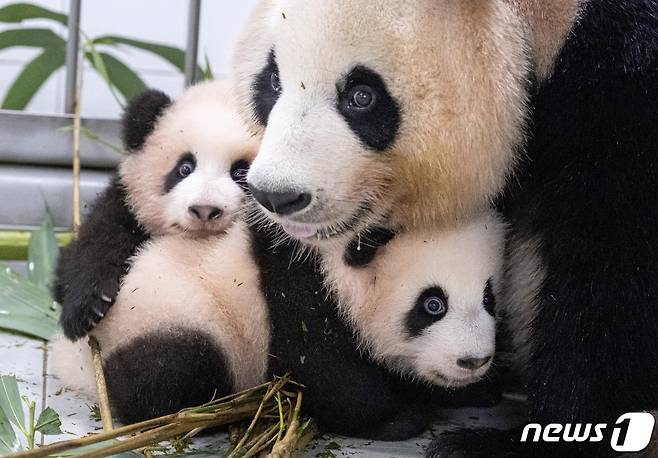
(409, 109)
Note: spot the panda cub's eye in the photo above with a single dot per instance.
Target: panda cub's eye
(362, 97)
(435, 306)
(185, 169)
(275, 82)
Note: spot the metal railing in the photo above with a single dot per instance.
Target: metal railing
(73, 49)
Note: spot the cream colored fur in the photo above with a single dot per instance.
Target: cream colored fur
(458, 69)
(209, 285)
(376, 299)
(548, 23)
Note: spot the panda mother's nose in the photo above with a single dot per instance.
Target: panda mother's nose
(472, 363)
(281, 203)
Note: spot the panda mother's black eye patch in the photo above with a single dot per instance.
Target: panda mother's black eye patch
(376, 124)
(265, 91)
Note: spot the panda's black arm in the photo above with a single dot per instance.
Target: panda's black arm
(89, 271)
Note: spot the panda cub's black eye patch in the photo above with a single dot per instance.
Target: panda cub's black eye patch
(184, 167)
(368, 108)
(266, 90)
(430, 307)
(239, 171)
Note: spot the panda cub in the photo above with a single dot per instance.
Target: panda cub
(423, 311)
(425, 291)
(182, 180)
(184, 175)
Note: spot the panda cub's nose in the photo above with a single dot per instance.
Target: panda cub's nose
(473, 363)
(205, 213)
(281, 203)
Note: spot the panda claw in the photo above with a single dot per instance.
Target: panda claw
(106, 298)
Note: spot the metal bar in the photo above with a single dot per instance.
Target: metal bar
(192, 49)
(72, 51)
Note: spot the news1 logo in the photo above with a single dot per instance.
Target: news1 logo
(631, 432)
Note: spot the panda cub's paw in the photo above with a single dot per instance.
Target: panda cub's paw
(84, 307)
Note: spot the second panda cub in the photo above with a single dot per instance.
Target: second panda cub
(424, 305)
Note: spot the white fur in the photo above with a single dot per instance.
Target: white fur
(377, 298)
(71, 363)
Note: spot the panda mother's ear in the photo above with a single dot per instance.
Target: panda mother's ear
(140, 117)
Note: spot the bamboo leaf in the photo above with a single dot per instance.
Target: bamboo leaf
(49, 422)
(99, 65)
(32, 77)
(42, 255)
(30, 37)
(118, 74)
(26, 307)
(207, 72)
(8, 440)
(19, 12)
(10, 401)
(175, 56)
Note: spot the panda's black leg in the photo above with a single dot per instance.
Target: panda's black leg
(89, 271)
(162, 373)
(477, 443)
(408, 421)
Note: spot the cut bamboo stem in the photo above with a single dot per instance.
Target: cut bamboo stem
(101, 385)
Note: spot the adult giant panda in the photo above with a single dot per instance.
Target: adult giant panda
(413, 111)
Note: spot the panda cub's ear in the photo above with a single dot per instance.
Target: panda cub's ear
(140, 117)
(364, 247)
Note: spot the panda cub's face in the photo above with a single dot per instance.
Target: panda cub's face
(409, 109)
(188, 176)
(429, 309)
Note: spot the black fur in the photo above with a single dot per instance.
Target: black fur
(346, 392)
(588, 194)
(265, 95)
(174, 177)
(363, 249)
(140, 117)
(489, 299)
(378, 126)
(162, 373)
(90, 269)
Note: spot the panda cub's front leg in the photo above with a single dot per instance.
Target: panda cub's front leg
(89, 271)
